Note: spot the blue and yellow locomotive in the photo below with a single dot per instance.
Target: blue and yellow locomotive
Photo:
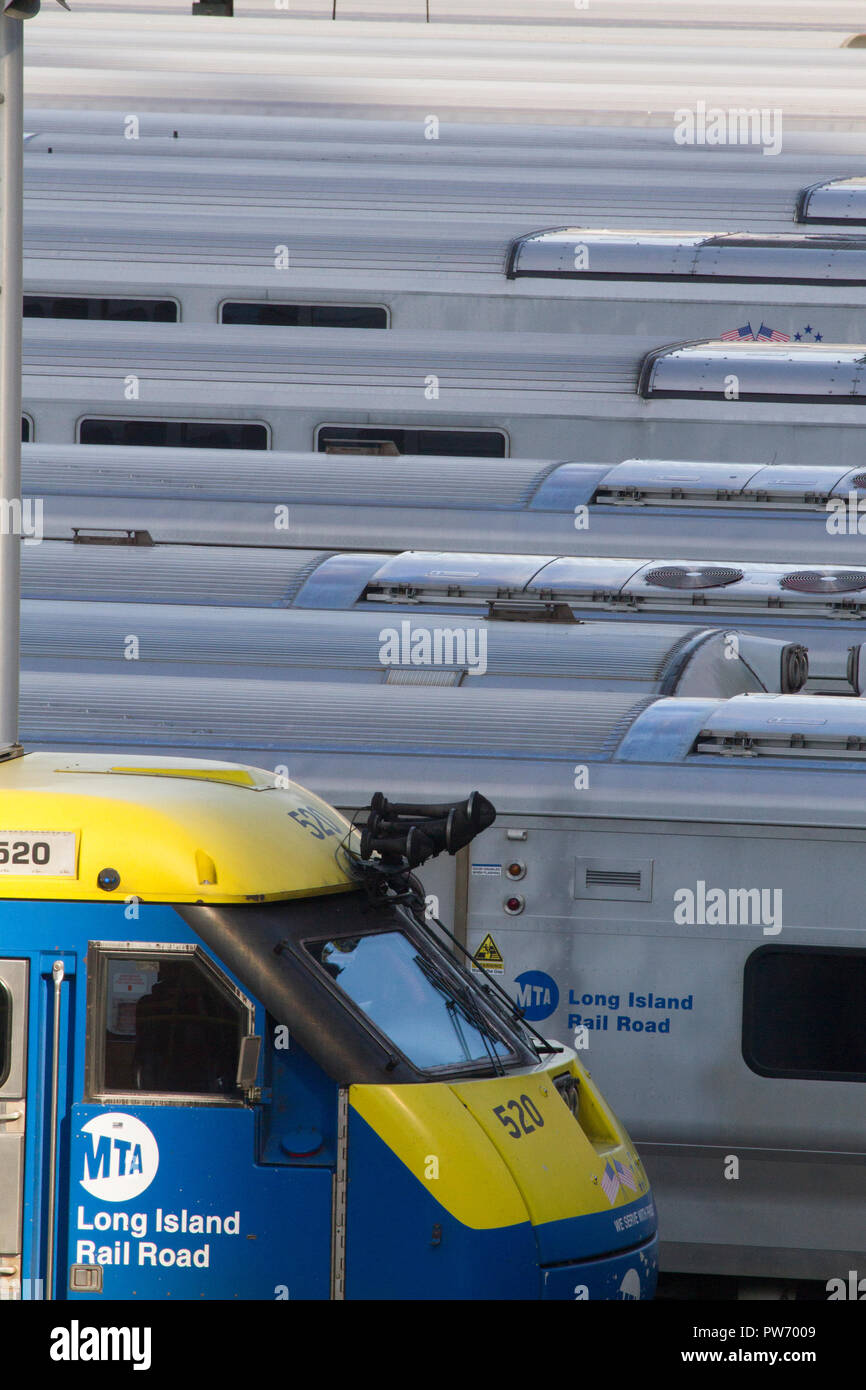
(237, 1060)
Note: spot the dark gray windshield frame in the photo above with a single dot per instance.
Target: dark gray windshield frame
(265, 946)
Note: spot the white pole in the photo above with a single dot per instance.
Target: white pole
(11, 298)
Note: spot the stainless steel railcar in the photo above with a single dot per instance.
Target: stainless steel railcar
(530, 179)
(521, 394)
(482, 72)
(802, 513)
(367, 648)
(674, 883)
(292, 270)
(820, 607)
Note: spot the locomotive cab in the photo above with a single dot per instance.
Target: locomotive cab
(237, 1061)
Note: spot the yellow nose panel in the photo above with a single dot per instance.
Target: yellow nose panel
(557, 1168)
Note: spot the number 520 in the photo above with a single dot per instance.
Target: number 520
(523, 1107)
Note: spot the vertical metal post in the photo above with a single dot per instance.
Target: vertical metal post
(339, 1199)
(57, 973)
(11, 299)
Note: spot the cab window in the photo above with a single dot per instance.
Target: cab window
(164, 1023)
(5, 1033)
(410, 998)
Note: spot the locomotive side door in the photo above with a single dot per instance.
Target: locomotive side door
(168, 1196)
(13, 1084)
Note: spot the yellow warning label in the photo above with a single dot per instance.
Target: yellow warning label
(488, 957)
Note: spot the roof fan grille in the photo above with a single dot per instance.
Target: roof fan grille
(859, 480)
(825, 581)
(697, 577)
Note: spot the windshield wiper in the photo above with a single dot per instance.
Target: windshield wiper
(457, 998)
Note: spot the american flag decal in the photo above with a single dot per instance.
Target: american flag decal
(626, 1175)
(771, 335)
(610, 1184)
(739, 335)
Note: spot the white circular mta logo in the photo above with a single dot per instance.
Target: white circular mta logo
(121, 1157)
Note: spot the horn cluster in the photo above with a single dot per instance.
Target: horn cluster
(403, 832)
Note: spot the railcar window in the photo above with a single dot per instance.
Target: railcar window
(803, 1013)
(26, 429)
(66, 306)
(168, 1026)
(379, 439)
(175, 434)
(5, 1033)
(409, 999)
(271, 315)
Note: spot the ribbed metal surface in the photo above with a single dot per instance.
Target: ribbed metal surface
(165, 574)
(205, 474)
(251, 715)
(326, 357)
(58, 632)
(703, 199)
(172, 243)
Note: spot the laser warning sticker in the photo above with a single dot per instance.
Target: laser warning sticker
(488, 957)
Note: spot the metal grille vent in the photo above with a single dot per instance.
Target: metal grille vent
(825, 581)
(622, 878)
(699, 577)
(629, 880)
(403, 675)
(859, 480)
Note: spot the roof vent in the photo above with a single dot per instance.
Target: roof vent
(699, 577)
(859, 480)
(825, 581)
(106, 535)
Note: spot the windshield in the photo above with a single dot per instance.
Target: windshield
(368, 990)
(427, 1014)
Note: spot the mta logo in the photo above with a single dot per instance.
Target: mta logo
(111, 1157)
(119, 1157)
(537, 995)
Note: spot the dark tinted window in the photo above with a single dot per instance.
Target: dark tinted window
(174, 434)
(409, 998)
(375, 439)
(5, 1032)
(305, 315)
(170, 1027)
(26, 429)
(64, 306)
(804, 1014)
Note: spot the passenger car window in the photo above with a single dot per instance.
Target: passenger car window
(273, 315)
(803, 1013)
(175, 434)
(385, 439)
(104, 307)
